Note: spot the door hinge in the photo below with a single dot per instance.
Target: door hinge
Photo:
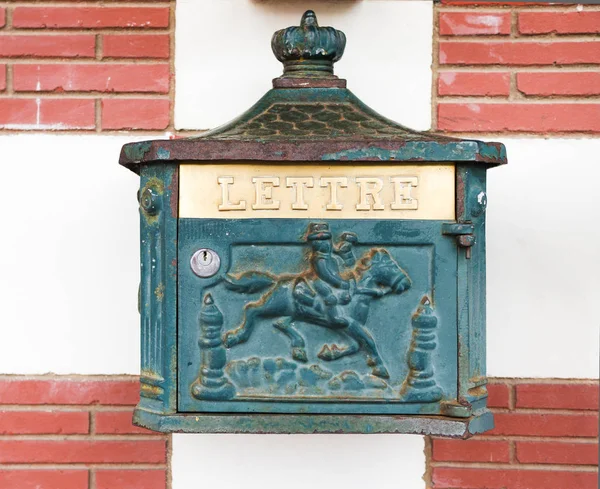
(463, 231)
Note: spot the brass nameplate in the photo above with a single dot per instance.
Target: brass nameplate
(243, 191)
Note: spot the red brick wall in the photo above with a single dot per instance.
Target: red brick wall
(517, 69)
(535, 70)
(546, 437)
(61, 432)
(98, 67)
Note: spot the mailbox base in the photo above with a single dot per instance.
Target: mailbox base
(309, 423)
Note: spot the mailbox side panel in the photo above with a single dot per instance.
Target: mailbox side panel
(471, 203)
(158, 197)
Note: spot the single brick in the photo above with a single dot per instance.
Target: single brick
(560, 83)
(65, 391)
(13, 112)
(463, 478)
(537, 452)
(118, 422)
(151, 451)
(131, 479)
(498, 395)
(519, 53)
(101, 77)
(2, 78)
(470, 451)
(470, 83)
(533, 424)
(522, 117)
(90, 17)
(135, 113)
(61, 114)
(558, 396)
(474, 23)
(43, 422)
(2, 16)
(47, 46)
(136, 46)
(43, 479)
(559, 22)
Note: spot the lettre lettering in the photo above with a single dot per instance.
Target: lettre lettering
(369, 196)
(299, 183)
(263, 187)
(226, 204)
(402, 193)
(369, 186)
(333, 183)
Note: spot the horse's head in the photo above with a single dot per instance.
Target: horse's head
(384, 270)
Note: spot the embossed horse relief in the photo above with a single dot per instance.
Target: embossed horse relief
(323, 296)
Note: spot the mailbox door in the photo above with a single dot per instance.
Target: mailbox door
(266, 325)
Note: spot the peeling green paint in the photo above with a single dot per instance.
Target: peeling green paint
(492, 151)
(163, 154)
(411, 151)
(137, 151)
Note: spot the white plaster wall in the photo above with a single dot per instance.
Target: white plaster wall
(68, 256)
(298, 461)
(224, 66)
(543, 243)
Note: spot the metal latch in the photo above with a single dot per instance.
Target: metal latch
(464, 235)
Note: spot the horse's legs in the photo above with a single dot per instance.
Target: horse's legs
(286, 326)
(333, 352)
(243, 331)
(364, 338)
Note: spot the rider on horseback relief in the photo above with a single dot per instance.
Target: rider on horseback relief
(324, 275)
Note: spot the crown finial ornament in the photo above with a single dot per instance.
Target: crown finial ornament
(308, 51)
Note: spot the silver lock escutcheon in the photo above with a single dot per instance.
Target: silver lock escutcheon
(205, 262)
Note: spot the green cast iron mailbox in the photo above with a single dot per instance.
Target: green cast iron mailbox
(312, 266)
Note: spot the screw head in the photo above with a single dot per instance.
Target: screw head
(149, 201)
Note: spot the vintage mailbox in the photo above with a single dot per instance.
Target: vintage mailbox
(313, 266)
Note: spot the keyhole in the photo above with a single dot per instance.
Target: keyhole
(205, 258)
(205, 262)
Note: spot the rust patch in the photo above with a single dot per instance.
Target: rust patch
(283, 82)
(174, 189)
(460, 195)
(157, 187)
(479, 391)
(155, 184)
(159, 292)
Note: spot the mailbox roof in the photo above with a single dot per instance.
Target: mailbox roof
(325, 124)
(311, 116)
